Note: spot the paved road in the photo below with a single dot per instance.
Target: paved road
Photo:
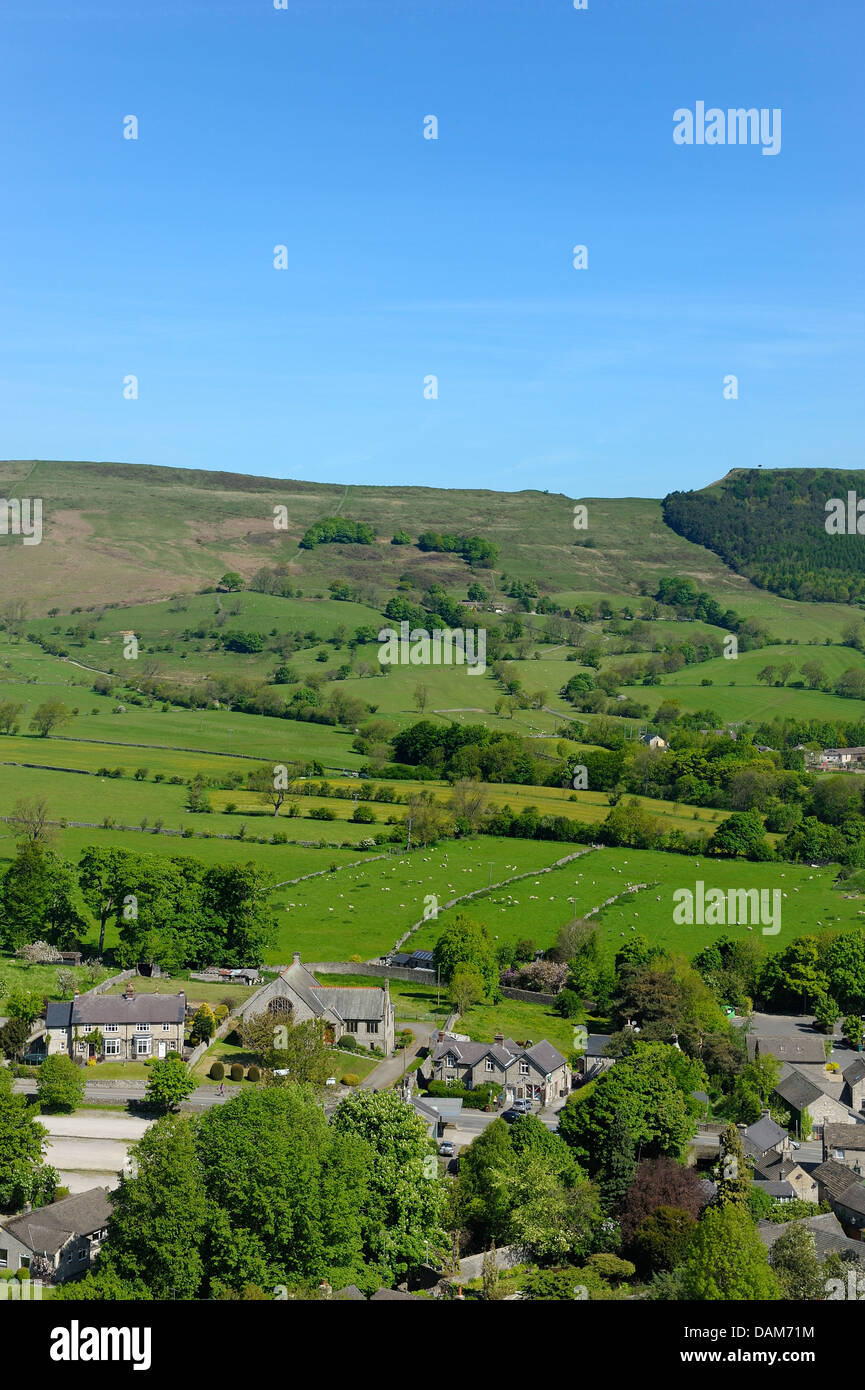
(103, 1094)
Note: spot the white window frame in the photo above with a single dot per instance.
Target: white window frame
(142, 1027)
(524, 1069)
(166, 1027)
(112, 1028)
(111, 1047)
(144, 1047)
(491, 1066)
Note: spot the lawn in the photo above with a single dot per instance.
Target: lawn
(517, 1020)
(343, 1062)
(196, 991)
(537, 908)
(40, 978)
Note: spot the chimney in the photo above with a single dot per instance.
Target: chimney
(130, 992)
(498, 1039)
(295, 958)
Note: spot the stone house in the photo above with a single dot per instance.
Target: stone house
(765, 1138)
(845, 1144)
(799, 1094)
(69, 1234)
(125, 1027)
(365, 1013)
(854, 1080)
(538, 1072)
(593, 1063)
(844, 1190)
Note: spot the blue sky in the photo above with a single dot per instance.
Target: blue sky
(410, 257)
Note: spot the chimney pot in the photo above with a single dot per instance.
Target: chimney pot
(295, 959)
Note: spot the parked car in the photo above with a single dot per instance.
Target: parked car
(446, 1148)
(510, 1115)
(522, 1107)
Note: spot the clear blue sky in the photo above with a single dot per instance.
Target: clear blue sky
(410, 256)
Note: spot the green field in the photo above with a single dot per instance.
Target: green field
(537, 908)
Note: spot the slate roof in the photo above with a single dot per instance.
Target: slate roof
(779, 1188)
(90, 1010)
(853, 1198)
(596, 1044)
(544, 1057)
(834, 1176)
(797, 1090)
(854, 1071)
(358, 1001)
(844, 1137)
(47, 1229)
(351, 1293)
(827, 1232)
(438, 1107)
(802, 1048)
(762, 1135)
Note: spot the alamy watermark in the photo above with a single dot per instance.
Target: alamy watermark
(22, 516)
(713, 907)
(444, 646)
(735, 126)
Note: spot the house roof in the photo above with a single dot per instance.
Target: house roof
(90, 1010)
(802, 1048)
(47, 1229)
(438, 1107)
(797, 1090)
(351, 1293)
(827, 1232)
(762, 1135)
(353, 1001)
(778, 1188)
(845, 1137)
(542, 1055)
(854, 1071)
(596, 1044)
(834, 1176)
(853, 1198)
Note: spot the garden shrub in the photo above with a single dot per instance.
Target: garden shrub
(351, 1079)
(236, 1071)
(217, 1071)
(254, 1073)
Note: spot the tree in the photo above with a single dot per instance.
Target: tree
(13, 1037)
(270, 783)
(23, 1176)
(157, 1230)
(50, 715)
(854, 1030)
(168, 1083)
(466, 988)
(466, 942)
(732, 1173)
(25, 1004)
(741, 835)
(402, 1227)
(60, 1084)
(203, 1024)
(490, 1275)
(480, 1204)
(814, 673)
(645, 1089)
(659, 1182)
(420, 697)
(554, 1220)
(727, 1259)
(10, 715)
(468, 804)
(37, 897)
(36, 953)
(663, 1239)
(793, 1258)
(826, 1012)
(302, 1050)
(232, 581)
(30, 815)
